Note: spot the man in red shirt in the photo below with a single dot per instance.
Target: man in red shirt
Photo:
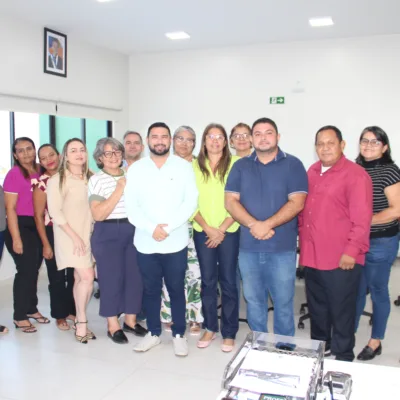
(334, 237)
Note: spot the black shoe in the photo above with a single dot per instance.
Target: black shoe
(118, 337)
(368, 354)
(137, 330)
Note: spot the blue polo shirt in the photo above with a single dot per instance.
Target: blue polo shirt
(263, 190)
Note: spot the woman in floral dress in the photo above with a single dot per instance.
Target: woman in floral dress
(184, 143)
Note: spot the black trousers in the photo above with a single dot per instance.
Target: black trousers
(61, 284)
(332, 297)
(27, 264)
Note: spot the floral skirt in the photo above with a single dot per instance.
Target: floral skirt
(192, 289)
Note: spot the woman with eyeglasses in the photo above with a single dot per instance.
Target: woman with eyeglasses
(21, 236)
(240, 139)
(61, 282)
(216, 237)
(112, 243)
(67, 200)
(375, 157)
(184, 141)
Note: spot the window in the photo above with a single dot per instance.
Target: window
(95, 130)
(42, 128)
(67, 128)
(27, 124)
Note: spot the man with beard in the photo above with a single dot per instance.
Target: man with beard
(264, 193)
(160, 197)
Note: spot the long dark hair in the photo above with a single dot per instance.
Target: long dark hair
(380, 135)
(64, 163)
(42, 169)
(223, 164)
(24, 171)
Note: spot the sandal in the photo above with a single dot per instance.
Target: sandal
(3, 330)
(90, 335)
(62, 324)
(194, 328)
(39, 320)
(25, 328)
(80, 339)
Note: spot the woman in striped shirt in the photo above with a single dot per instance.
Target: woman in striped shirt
(375, 157)
(112, 243)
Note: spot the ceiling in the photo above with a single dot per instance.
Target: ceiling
(137, 26)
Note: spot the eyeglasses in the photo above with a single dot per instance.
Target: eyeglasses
(109, 154)
(215, 137)
(240, 136)
(372, 142)
(181, 139)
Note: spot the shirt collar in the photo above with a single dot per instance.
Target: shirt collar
(335, 167)
(279, 156)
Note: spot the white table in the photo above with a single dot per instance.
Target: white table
(369, 381)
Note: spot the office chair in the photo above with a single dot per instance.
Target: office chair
(304, 306)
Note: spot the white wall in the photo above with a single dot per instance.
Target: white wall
(351, 83)
(96, 77)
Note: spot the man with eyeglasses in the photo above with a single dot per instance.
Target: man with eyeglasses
(264, 193)
(161, 195)
(334, 238)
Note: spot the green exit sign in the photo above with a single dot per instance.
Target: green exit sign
(276, 100)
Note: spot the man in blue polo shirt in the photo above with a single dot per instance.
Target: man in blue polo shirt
(264, 193)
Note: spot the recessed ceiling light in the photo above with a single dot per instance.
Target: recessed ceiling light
(177, 35)
(323, 21)
(104, 1)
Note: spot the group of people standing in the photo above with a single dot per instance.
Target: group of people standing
(169, 231)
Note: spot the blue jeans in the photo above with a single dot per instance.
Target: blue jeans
(219, 265)
(375, 277)
(171, 267)
(266, 274)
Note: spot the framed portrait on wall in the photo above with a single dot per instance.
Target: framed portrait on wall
(55, 53)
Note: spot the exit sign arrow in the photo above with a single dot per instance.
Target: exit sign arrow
(277, 100)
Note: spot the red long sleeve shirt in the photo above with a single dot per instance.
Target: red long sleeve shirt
(337, 215)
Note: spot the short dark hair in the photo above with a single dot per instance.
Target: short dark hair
(127, 133)
(332, 128)
(158, 125)
(264, 121)
(382, 136)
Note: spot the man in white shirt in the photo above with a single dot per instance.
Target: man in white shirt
(160, 197)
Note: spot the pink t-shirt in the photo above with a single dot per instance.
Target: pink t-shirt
(17, 184)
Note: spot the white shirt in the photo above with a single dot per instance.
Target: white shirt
(101, 187)
(166, 195)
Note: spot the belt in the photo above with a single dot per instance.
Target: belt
(116, 220)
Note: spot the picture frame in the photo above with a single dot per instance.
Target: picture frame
(55, 53)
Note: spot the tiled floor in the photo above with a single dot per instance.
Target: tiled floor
(51, 365)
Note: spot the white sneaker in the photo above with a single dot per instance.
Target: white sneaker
(180, 346)
(147, 342)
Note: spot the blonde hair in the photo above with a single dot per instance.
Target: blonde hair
(64, 162)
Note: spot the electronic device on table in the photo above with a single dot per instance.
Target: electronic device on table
(274, 367)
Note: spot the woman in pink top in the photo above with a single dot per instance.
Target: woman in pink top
(21, 238)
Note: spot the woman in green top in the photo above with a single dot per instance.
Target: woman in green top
(216, 238)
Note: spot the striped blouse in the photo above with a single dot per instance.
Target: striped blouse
(383, 176)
